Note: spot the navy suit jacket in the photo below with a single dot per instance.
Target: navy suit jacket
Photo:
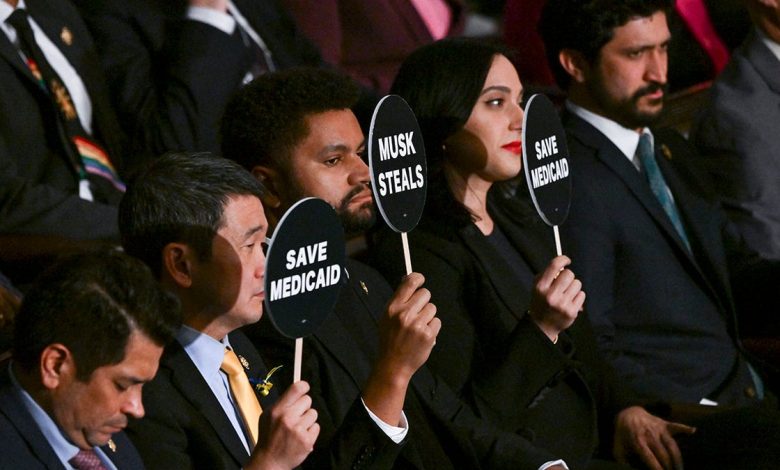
(38, 186)
(663, 316)
(23, 445)
(171, 77)
(185, 427)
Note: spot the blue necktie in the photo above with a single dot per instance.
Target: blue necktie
(658, 185)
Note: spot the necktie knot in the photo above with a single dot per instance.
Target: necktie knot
(19, 20)
(86, 460)
(230, 364)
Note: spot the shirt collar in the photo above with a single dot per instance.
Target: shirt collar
(626, 140)
(64, 449)
(206, 352)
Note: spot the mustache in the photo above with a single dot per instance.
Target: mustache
(354, 192)
(650, 89)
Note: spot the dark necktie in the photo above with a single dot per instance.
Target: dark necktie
(261, 60)
(86, 460)
(88, 159)
(658, 185)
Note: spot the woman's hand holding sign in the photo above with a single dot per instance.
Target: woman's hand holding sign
(557, 298)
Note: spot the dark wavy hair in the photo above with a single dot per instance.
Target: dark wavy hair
(92, 303)
(266, 119)
(442, 82)
(587, 25)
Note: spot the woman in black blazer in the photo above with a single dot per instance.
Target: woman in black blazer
(511, 343)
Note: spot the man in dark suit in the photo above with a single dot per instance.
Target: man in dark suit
(737, 133)
(43, 191)
(298, 136)
(649, 251)
(198, 222)
(173, 64)
(89, 335)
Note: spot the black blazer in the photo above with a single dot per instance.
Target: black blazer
(23, 445)
(491, 353)
(170, 77)
(664, 317)
(185, 426)
(337, 361)
(38, 187)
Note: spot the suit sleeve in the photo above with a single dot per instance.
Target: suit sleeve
(170, 79)
(27, 208)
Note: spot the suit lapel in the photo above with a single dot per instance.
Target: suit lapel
(765, 63)
(186, 378)
(607, 153)
(333, 331)
(12, 407)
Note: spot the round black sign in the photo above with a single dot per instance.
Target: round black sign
(304, 268)
(396, 156)
(546, 160)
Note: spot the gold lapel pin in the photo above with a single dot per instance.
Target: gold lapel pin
(66, 36)
(363, 285)
(665, 150)
(265, 385)
(243, 361)
(111, 445)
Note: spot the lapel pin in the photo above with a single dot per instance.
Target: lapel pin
(665, 150)
(264, 386)
(66, 36)
(111, 445)
(243, 361)
(363, 285)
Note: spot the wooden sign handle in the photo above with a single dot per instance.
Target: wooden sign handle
(298, 359)
(407, 257)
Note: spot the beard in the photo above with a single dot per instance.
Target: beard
(627, 111)
(358, 219)
(353, 221)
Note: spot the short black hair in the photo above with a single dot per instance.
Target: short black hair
(442, 82)
(91, 303)
(266, 119)
(587, 25)
(180, 197)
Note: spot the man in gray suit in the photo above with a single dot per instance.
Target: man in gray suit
(737, 135)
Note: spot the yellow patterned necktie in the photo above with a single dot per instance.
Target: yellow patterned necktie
(243, 393)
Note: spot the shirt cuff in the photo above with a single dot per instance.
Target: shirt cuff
(547, 465)
(396, 434)
(222, 21)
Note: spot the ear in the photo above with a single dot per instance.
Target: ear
(56, 365)
(271, 181)
(177, 264)
(574, 63)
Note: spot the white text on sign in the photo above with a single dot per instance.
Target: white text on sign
(400, 179)
(549, 172)
(307, 281)
(394, 146)
(546, 147)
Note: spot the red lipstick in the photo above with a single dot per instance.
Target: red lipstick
(515, 147)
